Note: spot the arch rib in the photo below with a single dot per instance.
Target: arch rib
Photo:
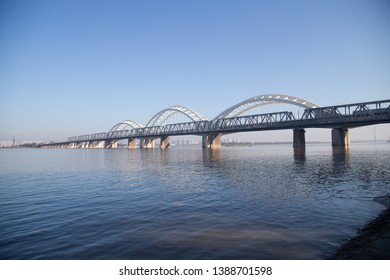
(261, 100)
(125, 124)
(163, 115)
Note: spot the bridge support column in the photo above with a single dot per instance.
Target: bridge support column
(132, 143)
(96, 144)
(299, 138)
(111, 144)
(164, 144)
(101, 144)
(82, 145)
(71, 145)
(147, 143)
(212, 141)
(340, 137)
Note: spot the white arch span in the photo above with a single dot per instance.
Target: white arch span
(261, 100)
(163, 115)
(123, 125)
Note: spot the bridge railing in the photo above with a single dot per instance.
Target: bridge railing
(82, 138)
(118, 134)
(151, 130)
(72, 138)
(98, 136)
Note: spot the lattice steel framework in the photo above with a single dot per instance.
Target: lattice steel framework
(261, 100)
(261, 121)
(163, 115)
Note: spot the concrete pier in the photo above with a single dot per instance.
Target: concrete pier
(299, 138)
(212, 141)
(132, 143)
(340, 137)
(96, 144)
(71, 145)
(164, 144)
(81, 145)
(147, 143)
(111, 144)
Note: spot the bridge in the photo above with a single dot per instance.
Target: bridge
(338, 118)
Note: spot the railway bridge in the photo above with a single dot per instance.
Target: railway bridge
(338, 118)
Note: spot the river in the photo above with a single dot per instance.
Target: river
(260, 202)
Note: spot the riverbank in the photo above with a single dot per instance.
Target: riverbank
(372, 242)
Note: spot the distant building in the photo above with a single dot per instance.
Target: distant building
(185, 142)
(230, 140)
(31, 142)
(6, 144)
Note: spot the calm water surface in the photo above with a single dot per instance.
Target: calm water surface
(187, 203)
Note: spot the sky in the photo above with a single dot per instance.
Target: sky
(74, 67)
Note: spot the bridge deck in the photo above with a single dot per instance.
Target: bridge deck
(340, 116)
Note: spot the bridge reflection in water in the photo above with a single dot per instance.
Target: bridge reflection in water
(339, 118)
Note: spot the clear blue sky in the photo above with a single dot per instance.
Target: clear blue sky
(75, 67)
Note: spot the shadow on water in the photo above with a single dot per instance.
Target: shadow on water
(211, 155)
(341, 151)
(341, 159)
(299, 154)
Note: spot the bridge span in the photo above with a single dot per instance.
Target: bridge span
(338, 118)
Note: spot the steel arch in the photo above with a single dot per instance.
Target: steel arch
(125, 124)
(261, 100)
(165, 114)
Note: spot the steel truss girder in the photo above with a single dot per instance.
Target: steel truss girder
(358, 112)
(252, 121)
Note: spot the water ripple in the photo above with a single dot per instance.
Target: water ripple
(238, 203)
